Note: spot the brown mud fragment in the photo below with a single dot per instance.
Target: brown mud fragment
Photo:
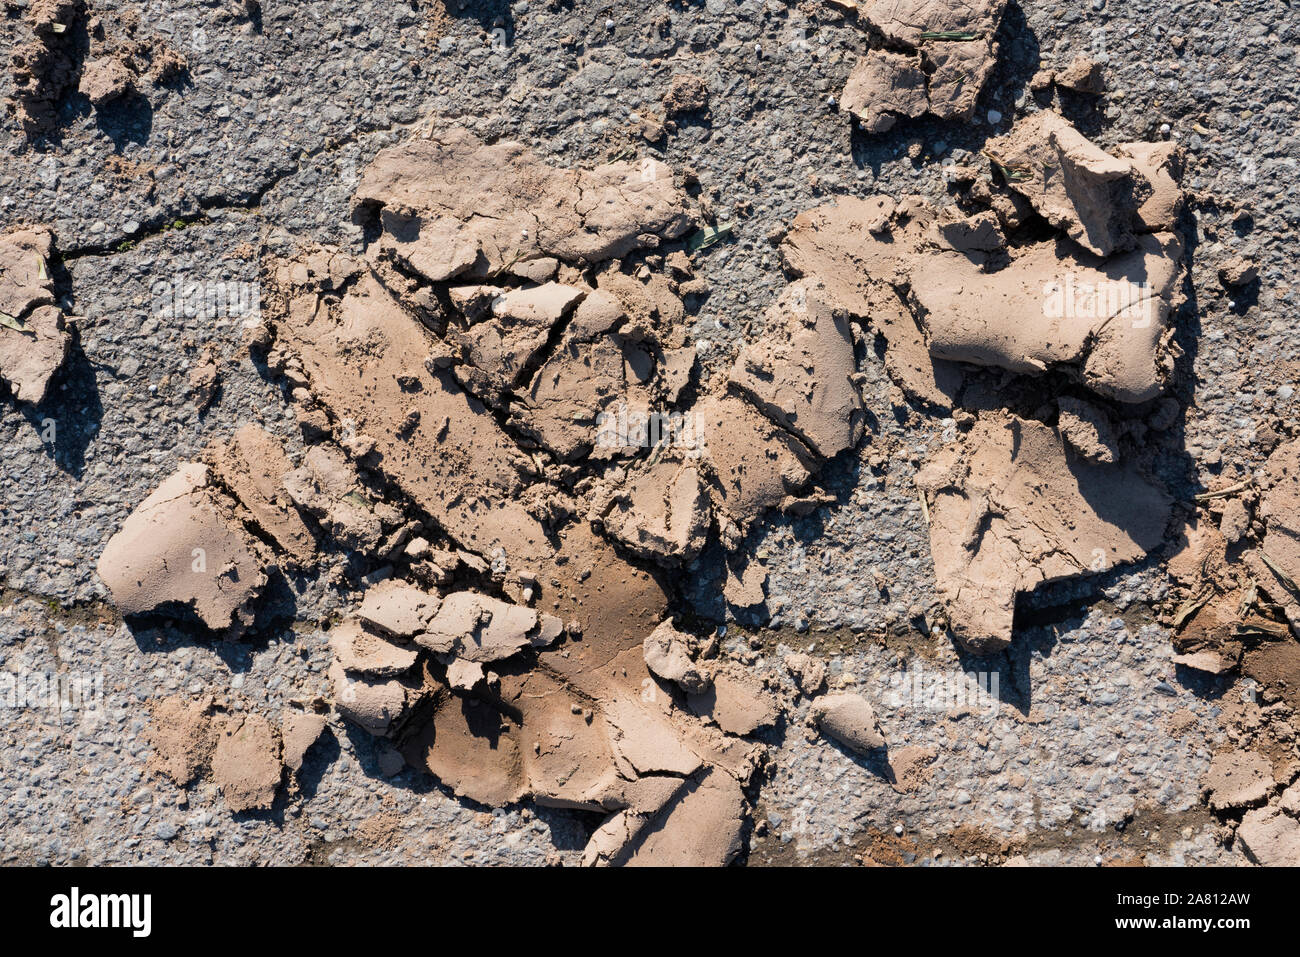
(1270, 837)
(850, 720)
(1100, 200)
(299, 730)
(246, 762)
(948, 51)
(1238, 779)
(364, 358)
(252, 466)
(45, 66)
(1055, 307)
(34, 338)
(180, 733)
(184, 546)
(1011, 508)
(800, 374)
(663, 513)
(884, 86)
(668, 655)
(451, 207)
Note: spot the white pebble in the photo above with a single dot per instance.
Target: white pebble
(994, 117)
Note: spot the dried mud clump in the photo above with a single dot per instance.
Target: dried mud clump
(184, 547)
(104, 59)
(34, 334)
(243, 753)
(1051, 488)
(927, 56)
(45, 66)
(1011, 508)
(1237, 565)
(494, 403)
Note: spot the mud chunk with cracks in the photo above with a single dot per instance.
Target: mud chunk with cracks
(950, 51)
(800, 373)
(1010, 508)
(184, 547)
(884, 86)
(34, 337)
(253, 467)
(451, 207)
(736, 701)
(663, 513)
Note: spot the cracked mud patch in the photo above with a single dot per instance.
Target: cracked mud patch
(491, 498)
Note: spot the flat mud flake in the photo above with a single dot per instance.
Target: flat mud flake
(699, 827)
(465, 746)
(950, 53)
(398, 608)
(850, 720)
(884, 86)
(1238, 779)
(180, 733)
(246, 763)
(800, 373)
(736, 701)
(668, 655)
(364, 358)
(253, 466)
(1011, 509)
(745, 581)
(663, 513)
(328, 487)
(377, 705)
(1270, 837)
(1280, 509)
(451, 207)
(483, 629)
(299, 730)
(958, 70)
(755, 464)
(184, 546)
(1211, 662)
(1055, 307)
(577, 397)
(34, 339)
(361, 650)
(977, 233)
(1088, 430)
